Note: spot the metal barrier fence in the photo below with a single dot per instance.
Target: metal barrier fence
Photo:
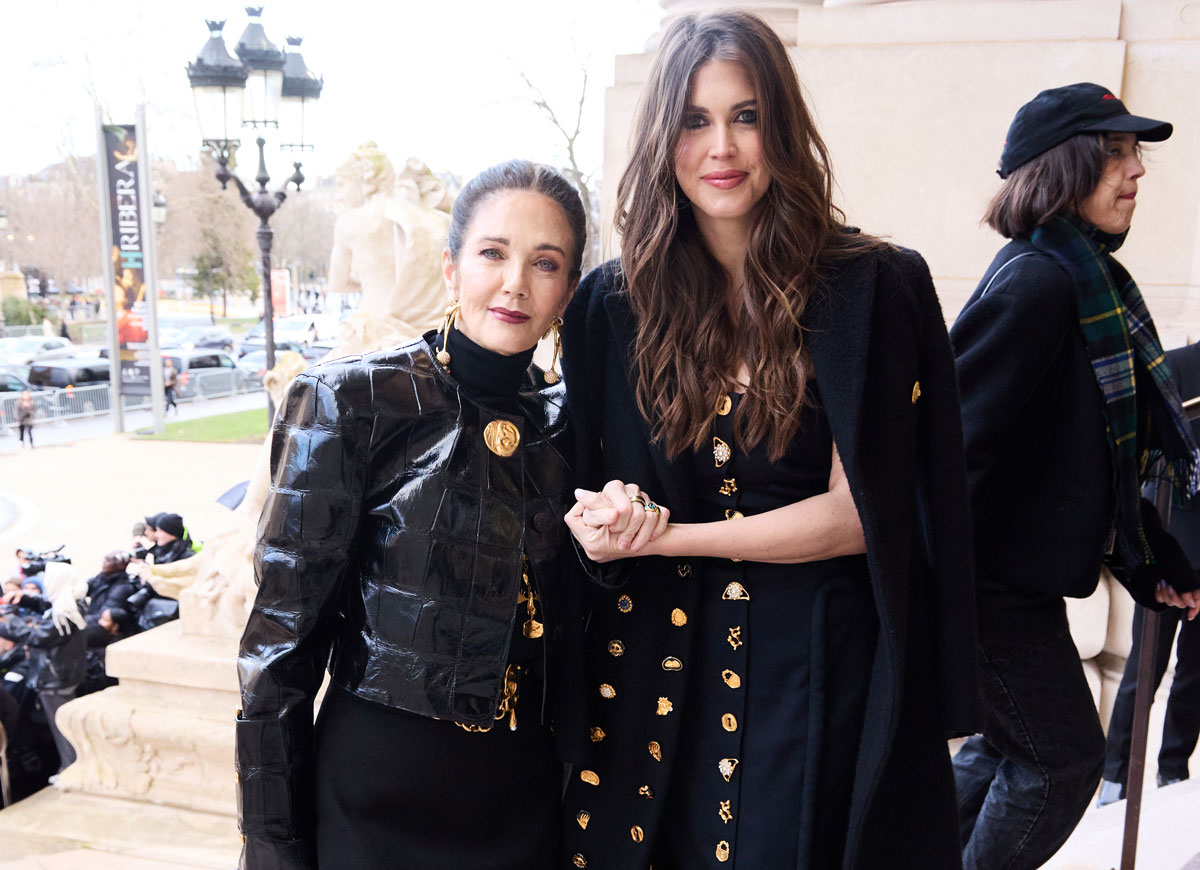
(78, 402)
(11, 331)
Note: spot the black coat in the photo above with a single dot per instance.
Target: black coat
(1038, 463)
(877, 337)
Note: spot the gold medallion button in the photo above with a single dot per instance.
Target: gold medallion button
(625, 604)
(665, 706)
(731, 679)
(616, 648)
(729, 722)
(735, 636)
(578, 860)
(646, 792)
(596, 733)
(726, 767)
(724, 405)
(733, 515)
(670, 663)
(916, 393)
(655, 750)
(725, 811)
(501, 437)
(583, 818)
(723, 851)
(607, 691)
(735, 592)
(590, 777)
(728, 486)
(637, 833)
(721, 452)
(678, 618)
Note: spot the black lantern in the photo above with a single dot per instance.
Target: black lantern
(301, 90)
(218, 83)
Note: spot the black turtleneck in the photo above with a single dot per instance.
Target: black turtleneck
(489, 378)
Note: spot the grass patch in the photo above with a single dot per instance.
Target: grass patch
(240, 427)
(237, 325)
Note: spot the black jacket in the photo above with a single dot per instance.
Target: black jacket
(173, 551)
(390, 548)
(876, 332)
(109, 590)
(1038, 459)
(57, 657)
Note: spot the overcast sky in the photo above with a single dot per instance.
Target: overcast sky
(432, 78)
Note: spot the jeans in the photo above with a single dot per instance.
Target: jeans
(1181, 725)
(1026, 781)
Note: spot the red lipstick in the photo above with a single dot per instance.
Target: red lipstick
(506, 316)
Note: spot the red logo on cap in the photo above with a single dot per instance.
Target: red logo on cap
(1108, 97)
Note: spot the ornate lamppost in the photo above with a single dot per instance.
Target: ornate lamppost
(262, 88)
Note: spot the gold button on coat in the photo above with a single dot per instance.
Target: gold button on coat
(665, 706)
(731, 679)
(597, 734)
(616, 648)
(684, 569)
(637, 834)
(670, 663)
(625, 604)
(655, 750)
(590, 777)
(723, 851)
(916, 393)
(726, 766)
(501, 437)
(729, 722)
(607, 691)
(583, 817)
(678, 618)
(735, 592)
(724, 405)
(646, 792)
(578, 860)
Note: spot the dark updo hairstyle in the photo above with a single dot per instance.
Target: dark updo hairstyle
(1055, 182)
(519, 175)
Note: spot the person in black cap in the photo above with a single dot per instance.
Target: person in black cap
(1066, 396)
(171, 539)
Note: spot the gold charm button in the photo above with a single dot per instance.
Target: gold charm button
(732, 514)
(670, 663)
(678, 618)
(637, 833)
(684, 569)
(665, 706)
(735, 636)
(501, 437)
(725, 812)
(607, 691)
(578, 860)
(590, 777)
(655, 750)
(726, 767)
(646, 792)
(724, 405)
(616, 648)
(735, 592)
(731, 679)
(596, 733)
(723, 851)
(729, 486)
(583, 818)
(721, 452)
(729, 722)
(916, 393)
(625, 604)
(532, 629)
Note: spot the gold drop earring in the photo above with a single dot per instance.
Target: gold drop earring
(551, 376)
(443, 355)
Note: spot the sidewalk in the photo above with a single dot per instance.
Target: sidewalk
(48, 433)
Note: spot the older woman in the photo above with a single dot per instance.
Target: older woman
(410, 540)
(1066, 398)
(775, 670)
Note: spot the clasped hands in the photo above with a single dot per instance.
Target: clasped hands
(617, 522)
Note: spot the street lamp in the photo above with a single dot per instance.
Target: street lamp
(248, 92)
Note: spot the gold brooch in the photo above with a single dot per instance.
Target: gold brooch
(501, 437)
(583, 817)
(670, 663)
(723, 851)
(721, 452)
(678, 618)
(655, 750)
(616, 648)
(596, 733)
(735, 592)
(731, 679)
(725, 811)
(646, 792)
(735, 636)
(916, 393)
(665, 706)
(590, 777)
(607, 691)
(726, 767)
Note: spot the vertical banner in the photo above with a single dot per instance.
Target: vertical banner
(128, 258)
(281, 285)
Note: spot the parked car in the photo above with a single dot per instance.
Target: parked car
(317, 350)
(202, 372)
(35, 348)
(216, 337)
(76, 384)
(14, 379)
(280, 347)
(251, 368)
(302, 328)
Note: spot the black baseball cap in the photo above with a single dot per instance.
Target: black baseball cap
(1057, 114)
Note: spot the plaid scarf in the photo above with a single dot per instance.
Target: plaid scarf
(1119, 335)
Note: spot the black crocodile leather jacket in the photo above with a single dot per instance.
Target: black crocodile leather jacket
(390, 549)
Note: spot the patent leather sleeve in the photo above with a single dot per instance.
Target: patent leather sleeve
(304, 546)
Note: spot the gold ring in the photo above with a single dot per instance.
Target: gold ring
(638, 499)
(652, 508)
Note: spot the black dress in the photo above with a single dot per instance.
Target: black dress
(401, 791)
(777, 692)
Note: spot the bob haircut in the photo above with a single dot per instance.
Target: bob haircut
(1051, 184)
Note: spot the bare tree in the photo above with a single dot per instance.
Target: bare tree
(586, 182)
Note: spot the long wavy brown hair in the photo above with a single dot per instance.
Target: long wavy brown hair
(689, 343)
